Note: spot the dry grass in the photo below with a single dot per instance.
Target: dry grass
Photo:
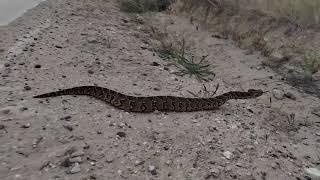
(311, 65)
(174, 50)
(142, 6)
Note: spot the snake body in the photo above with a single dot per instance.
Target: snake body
(153, 103)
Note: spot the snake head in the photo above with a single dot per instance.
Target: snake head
(255, 92)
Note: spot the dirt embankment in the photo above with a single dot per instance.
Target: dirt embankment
(62, 44)
(287, 45)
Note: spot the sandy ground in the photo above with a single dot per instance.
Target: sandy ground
(61, 44)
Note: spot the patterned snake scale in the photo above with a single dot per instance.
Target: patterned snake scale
(153, 103)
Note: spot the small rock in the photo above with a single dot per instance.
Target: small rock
(111, 124)
(138, 162)
(122, 125)
(66, 118)
(37, 141)
(278, 94)
(75, 168)
(228, 168)
(155, 64)
(290, 95)
(121, 134)
(37, 66)
(214, 173)
(76, 160)
(276, 56)
(6, 64)
(90, 71)
(27, 88)
(227, 154)
(23, 109)
(152, 170)
(109, 159)
(68, 127)
(92, 40)
(25, 126)
(58, 46)
(168, 163)
(2, 127)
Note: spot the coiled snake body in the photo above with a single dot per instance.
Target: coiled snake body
(153, 103)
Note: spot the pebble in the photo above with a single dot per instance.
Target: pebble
(290, 95)
(155, 64)
(58, 46)
(75, 168)
(25, 126)
(27, 88)
(37, 66)
(122, 125)
(227, 154)
(152, 170)
(23, 109)
(66, 118)
(214, 172)
(138, 162)
(109, 159)
(68, 127)
(278, 94)
(168, 163)
(92, 40)
(121, 134)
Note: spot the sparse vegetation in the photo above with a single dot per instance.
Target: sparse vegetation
(186, 63)
(142, 6)
(204, 92)
(311, 65)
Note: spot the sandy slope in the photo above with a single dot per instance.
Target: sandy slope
(91, 42)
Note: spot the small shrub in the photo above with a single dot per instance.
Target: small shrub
(187, 64)
(311, 65)
(142, 6)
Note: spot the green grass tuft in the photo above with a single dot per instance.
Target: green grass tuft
(188, 64)
(311, 64)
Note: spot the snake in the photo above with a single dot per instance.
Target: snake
(148, 104)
